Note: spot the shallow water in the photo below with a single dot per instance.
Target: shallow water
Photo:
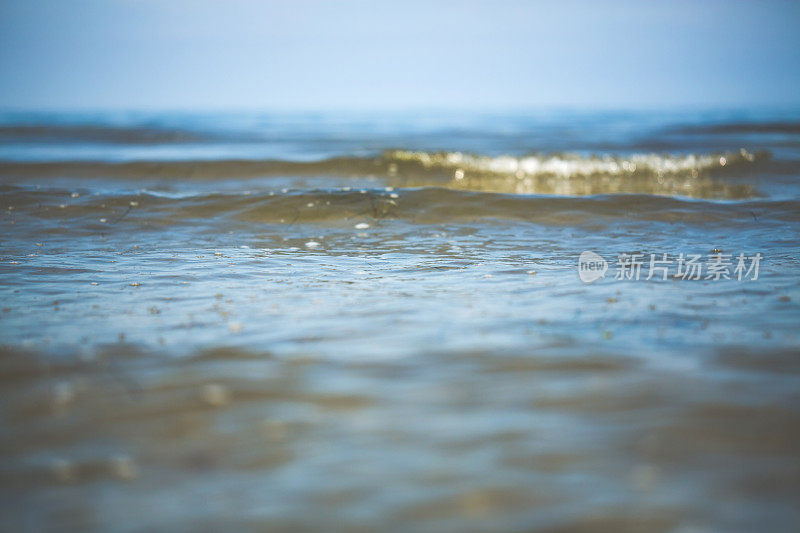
(356, 321)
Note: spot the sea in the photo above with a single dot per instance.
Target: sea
(536, 320)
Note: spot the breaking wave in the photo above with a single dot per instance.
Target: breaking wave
(570, 165)
(692, 175)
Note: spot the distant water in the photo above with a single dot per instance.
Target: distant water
(376, 321)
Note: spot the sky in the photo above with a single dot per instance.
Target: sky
(349, 54)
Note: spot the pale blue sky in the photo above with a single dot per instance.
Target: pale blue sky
(306, 54)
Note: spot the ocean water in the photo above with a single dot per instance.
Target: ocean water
(356, 321)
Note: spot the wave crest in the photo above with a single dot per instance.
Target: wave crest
(570, 165)
(692, 175)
